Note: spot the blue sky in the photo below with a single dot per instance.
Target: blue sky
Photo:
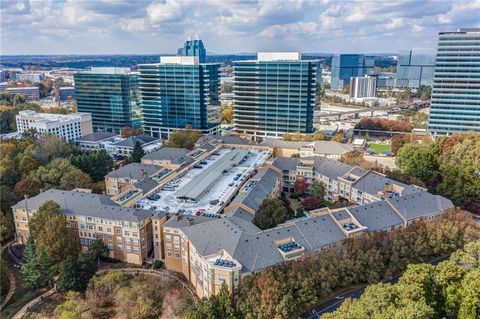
(227, 26)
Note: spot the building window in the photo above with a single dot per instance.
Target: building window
(119, 247)
(119, 231)
(135, 234)
(127, 233)
(169, 246)
(168, 237)
(221, 277)
(177, 255)
(109, 230)
(169, 254)
(100, 228)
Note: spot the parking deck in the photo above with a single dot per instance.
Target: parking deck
(197, 192)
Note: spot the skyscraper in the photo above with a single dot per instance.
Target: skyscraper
(345, 66)
(274, 95)
(363, 87)
(193, 48)
(415, 67)
(180, 92)
(456, 83)
(110, 95)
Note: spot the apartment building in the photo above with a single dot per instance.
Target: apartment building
(328, 149)
(67, 126)
(125, 177)
(126, 231)
(169, 157)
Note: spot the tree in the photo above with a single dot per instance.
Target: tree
(50, 175)
(311, 203)
(58, 241)
(75, 274)
(419, 161)
(28, 186)
(96, 164)
(354, 158)
(183, 138)
(317, 189)
(27, 164)
(128, 131)
(137, 153)
(424, 92)
(72, 308)
(7, 227)
(36, 270)
(98, 249)
(470, 295)
(339, 137)
(220, 306)
(46, 211)
(300, 186)
(319, 136)
(50, 147)
(75, 179)
(271, 213)
(227, 114)
(296, 206)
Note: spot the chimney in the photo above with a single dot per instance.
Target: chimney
(190, 221)
(177, 216)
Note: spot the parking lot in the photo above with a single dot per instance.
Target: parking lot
(216, 197)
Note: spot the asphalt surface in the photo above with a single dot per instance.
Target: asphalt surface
(335, 302)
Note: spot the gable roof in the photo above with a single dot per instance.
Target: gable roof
(130, 141)
(134, 171)
(172, 154)
(86, 204)
(96, 137)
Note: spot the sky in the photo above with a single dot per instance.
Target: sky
(228, 26)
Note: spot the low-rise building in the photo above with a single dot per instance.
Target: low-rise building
(123, 148)
(32, 92)
(328, 149)
(169, 157)
(126, 231)
(67, 126)
(122, 179)
(66, 92)
(97, 141)
(32, 77)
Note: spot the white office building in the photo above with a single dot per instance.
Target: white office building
(363, 87)
(69, 127)
(32, 77)
(32, 92)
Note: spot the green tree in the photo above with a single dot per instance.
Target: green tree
(220, 306)
(58, 241)
(419, 161)
(470, 295)
(137, 153)
(26, 165)
(72, 308)
(44, 213)
(75, 179)
(36, 270)
(98, 249)
(319, 136)
(51, 174)
(75, 273)
(96, 164)
(7, 227)
(271, 213)
(317, 189)
(296, 206)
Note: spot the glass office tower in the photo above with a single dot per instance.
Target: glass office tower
(110, 95)
(415, 67)
(194, 48)
(346, 66)
(179, 92)
(274, 95)
(456, 83)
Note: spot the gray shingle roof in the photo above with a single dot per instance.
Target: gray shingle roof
(286, 163)
(261, 186)
(134, 171)
(240, 213)
(284, 144)
(93, 205)
(419, 204)
(233, 140)
(96, 137)
(175, 155)
(130, 141)
(331, 148)
(146, 185)
(376, 216)
(373, 183)
(329, 167)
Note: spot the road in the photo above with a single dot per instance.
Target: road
(335, 302)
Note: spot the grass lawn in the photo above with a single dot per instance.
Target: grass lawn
(379, 148)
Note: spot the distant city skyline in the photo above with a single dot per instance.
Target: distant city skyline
(227, 27)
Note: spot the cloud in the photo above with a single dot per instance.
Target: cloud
(227, 26)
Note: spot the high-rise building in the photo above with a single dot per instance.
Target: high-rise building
(415, 67)
(456, 83)
(180, 92)
(193, 48)
(275, 94)
(110, 95)
(363, 87)
(346, 66)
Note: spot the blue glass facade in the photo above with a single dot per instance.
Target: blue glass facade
(274, 97)
(345, 66)
(194, 48)
(174, 96)
(111, 98)
(415, 67)
(456, 83)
